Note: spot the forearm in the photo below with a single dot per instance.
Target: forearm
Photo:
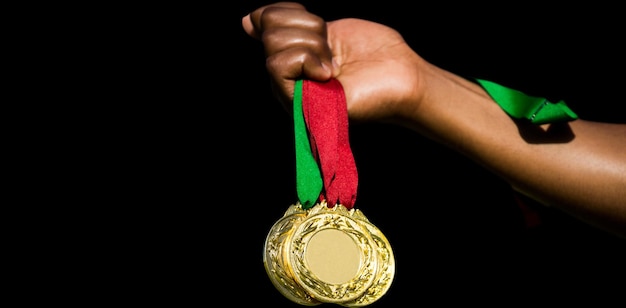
(579, 167)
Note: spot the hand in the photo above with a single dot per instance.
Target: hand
(380, 73)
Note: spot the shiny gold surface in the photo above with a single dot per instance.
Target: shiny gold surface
(384, 273)
(328, 255)
(333, 256)
(275, 258)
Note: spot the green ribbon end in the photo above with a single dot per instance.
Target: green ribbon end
(519, 105)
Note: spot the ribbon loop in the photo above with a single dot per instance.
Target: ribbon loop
(324, 109)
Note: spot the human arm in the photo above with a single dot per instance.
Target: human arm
(578, 166)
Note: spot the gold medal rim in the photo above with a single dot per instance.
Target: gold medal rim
(385, 272)
(276, 262)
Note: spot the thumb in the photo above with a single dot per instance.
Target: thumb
(248, 27)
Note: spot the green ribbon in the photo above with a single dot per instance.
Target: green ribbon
(308, 177)
(522, 106)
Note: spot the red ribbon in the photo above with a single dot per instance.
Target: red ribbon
(326, 116)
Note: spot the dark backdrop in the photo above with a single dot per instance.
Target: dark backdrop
(203, 161)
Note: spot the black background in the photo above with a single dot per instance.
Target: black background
(194, 158)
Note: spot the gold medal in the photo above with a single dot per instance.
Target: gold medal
(318, 253)
(328, 255)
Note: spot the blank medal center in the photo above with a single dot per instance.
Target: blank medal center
(333, 256)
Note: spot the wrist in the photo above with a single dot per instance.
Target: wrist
(450, 107)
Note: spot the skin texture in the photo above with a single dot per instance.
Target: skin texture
(578, 166)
